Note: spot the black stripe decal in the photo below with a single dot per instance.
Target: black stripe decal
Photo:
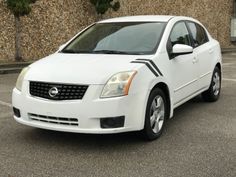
(148, 65)
(153, 64)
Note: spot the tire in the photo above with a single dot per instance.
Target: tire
(156, 115)
(213, 93)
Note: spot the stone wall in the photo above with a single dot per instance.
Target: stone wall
(51, 23)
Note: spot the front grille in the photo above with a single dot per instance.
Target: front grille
(57, 91)
(54, 120)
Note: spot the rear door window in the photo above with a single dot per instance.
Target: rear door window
(198, 34)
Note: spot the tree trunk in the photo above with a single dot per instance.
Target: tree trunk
(18, 56)
(99, 16)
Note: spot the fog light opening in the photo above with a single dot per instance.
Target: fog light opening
(16, 112)
(112, 122)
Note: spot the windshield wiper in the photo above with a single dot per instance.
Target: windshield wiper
(101, 52)
(111, 52)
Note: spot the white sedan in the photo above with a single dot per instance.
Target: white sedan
(118, 75)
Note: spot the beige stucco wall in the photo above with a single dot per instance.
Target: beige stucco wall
(53, 22)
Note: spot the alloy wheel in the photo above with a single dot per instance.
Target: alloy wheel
(157, 114)
(216, 83)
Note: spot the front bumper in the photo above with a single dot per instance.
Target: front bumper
(88, 111)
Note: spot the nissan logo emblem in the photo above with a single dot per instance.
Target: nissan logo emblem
(53, 92)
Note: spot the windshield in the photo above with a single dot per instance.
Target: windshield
(134, 38)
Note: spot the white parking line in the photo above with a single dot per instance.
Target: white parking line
(5, 104)
(227, 79)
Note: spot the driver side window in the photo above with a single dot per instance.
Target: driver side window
(180, 35)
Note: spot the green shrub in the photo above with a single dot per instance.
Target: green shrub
(101, 6)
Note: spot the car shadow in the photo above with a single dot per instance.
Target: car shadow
(181, 113)
(56, 138)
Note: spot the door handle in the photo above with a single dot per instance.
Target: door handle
(194, 60)
(210, 51)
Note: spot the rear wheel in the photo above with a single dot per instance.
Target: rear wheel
(156, 113)
(213, 93)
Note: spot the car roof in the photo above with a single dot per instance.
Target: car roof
(141, 18)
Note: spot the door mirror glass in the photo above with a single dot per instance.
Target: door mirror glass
(181, 49)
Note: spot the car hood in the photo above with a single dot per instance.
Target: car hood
(80, 68)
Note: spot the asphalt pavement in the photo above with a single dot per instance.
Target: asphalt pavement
(200, 141)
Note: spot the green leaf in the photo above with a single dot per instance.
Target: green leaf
(20, 7)
(102, 6)
(116, 6)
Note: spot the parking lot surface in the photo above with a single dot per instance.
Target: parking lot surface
(200, 141)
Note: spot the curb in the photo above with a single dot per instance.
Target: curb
(228, 50)
(10, 68)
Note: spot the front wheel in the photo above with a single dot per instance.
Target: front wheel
(156, 113)
(213, 93)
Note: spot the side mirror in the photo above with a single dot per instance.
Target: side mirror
(181, 49)
(61, 47)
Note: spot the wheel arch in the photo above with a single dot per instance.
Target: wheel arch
(164, 87)
(219, 66)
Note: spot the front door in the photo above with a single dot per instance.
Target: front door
(184, 68)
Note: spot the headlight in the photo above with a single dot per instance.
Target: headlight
(118, 84)
(20, 78)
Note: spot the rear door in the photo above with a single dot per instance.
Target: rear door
(203, 52)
